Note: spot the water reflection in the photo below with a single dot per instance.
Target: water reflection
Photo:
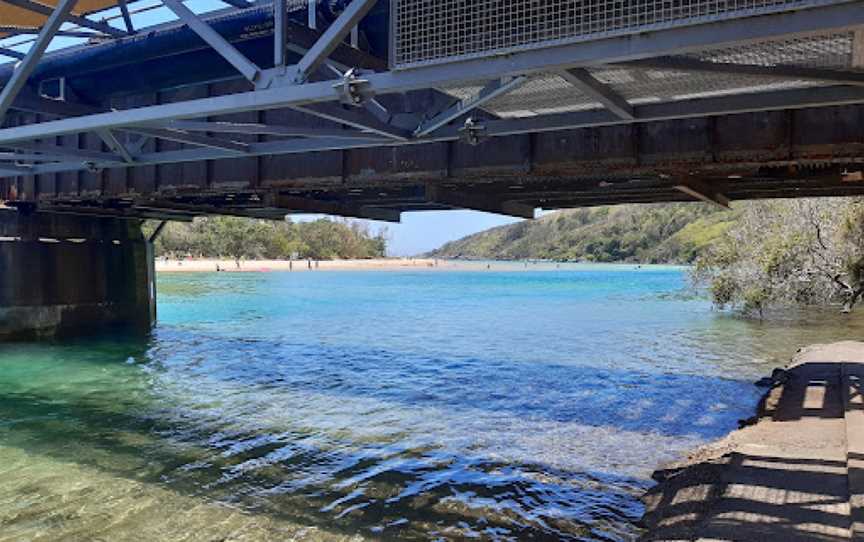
(136, 420)
(332, 406)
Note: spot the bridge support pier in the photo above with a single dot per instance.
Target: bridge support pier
(63, 275)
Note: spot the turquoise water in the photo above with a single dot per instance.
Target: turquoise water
(380, 405)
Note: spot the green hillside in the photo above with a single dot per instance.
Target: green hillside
(662, 233)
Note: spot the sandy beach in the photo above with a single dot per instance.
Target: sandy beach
(252, 266)
(380, 264)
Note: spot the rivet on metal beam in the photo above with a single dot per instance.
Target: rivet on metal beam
(353, 90)
(473, 132)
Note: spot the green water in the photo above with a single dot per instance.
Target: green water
(380, 405)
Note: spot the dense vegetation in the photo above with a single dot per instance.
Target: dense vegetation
(241, 238)
(675, 233)
(759, 255)
(801, 252)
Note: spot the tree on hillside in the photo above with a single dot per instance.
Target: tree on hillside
(801, 252)
(674, 232)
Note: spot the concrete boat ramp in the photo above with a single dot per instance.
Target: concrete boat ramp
(795, 472)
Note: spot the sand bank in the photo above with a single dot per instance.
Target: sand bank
(384, 264)
(210, 265)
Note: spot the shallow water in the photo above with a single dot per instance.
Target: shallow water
(369, 405)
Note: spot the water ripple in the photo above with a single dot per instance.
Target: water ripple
(498, 406)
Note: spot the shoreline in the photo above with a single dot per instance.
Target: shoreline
(790, 472)
(212, 265)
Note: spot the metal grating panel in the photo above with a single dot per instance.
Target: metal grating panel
(429, 31)
(549, 93)
(638, 85)
(542, 94)
(832, 50)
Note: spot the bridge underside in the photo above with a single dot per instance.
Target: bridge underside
(793, 153)
(371, 108)
(253, 113)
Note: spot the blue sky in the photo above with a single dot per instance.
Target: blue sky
(424, 231)
(419, 231)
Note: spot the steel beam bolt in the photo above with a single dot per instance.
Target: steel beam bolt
(473, 132)
(353, 89)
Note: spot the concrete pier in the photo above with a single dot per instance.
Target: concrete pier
(794, 473)
(62, 275)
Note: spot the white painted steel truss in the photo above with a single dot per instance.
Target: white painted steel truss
(318, 87)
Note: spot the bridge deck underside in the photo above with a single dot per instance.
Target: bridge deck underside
(796, 153)
(770, 106)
